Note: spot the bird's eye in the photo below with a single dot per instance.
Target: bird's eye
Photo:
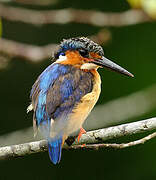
(84, 53)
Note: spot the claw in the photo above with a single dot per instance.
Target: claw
(82, 131)
(83, 145)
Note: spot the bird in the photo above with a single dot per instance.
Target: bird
(67, 90)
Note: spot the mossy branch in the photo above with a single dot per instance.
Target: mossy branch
(92, 139)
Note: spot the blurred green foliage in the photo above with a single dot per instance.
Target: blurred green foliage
(0, 27)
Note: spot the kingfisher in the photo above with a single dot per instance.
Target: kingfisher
(67, 90)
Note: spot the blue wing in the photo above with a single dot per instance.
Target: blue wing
(55, 93)
(57, 90)
(40, 89)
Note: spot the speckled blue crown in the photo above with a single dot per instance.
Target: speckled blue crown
(80, 43)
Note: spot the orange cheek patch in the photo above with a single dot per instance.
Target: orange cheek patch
(73, 58)
(95, 55)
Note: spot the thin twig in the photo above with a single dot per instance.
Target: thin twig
(96, 136)
(64, 16)
(114, 145)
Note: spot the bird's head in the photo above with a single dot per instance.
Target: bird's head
(85, 54)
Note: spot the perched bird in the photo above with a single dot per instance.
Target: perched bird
(67, 90)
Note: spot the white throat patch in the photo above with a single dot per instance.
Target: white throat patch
(61, 58)
(89, 66)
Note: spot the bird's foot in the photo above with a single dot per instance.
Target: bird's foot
(82, 131)
(83, 145)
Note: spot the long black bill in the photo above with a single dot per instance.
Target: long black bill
(104, 62)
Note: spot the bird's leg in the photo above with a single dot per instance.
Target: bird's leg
(63, 139)
(82, 131)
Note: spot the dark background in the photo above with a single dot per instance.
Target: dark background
(131, 46)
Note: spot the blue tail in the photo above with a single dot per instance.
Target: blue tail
(55, 149)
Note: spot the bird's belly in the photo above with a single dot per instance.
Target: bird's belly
(83, 108)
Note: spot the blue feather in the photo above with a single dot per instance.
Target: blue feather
(66, 89)
(55, 94)
(40, 111)
(46, 80)
(49, 75)
(55, 149)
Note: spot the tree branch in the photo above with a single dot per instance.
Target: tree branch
(124, 108)
(38, 53)
(25, 51)
(114, 145)
(96, 136)
(64, 16)
(32, 2)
